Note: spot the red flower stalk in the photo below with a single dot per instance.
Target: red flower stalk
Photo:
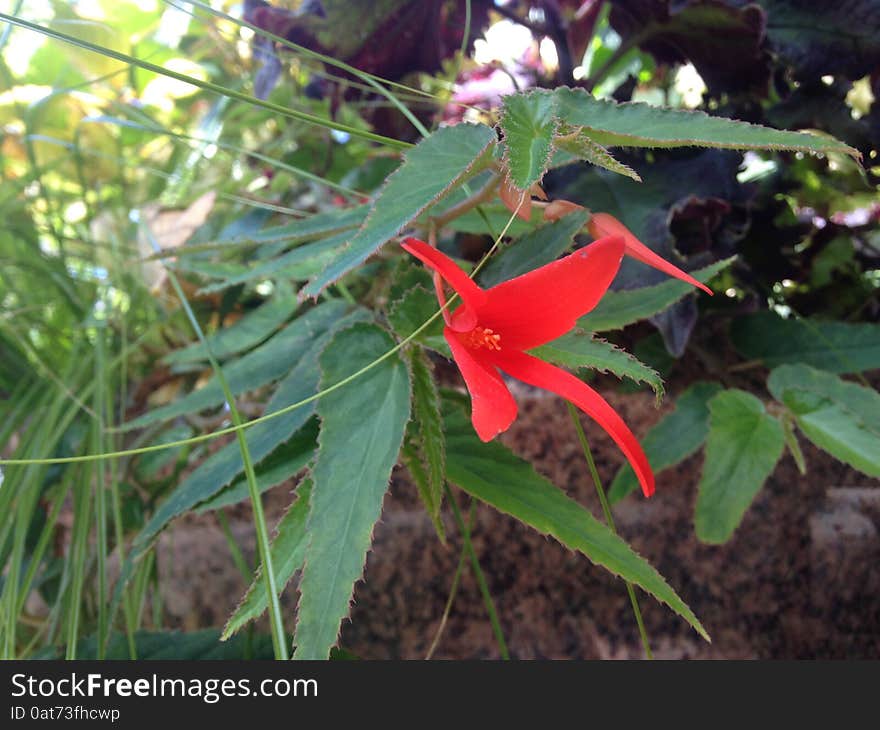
(492, 329)
(603, 224)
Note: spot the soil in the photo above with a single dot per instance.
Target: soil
(799, 579)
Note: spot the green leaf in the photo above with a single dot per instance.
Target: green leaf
(640, 125)
(742, 448)
(425, 450)
(284, 463)
(534, 249)
(300, 263)
(529, 124)
(411, 311)
(251, 329)
(839, 347)
(288, 552)
(147, 466)
(491, 473)
(276, 238)
(266, 363)
(579, 144)
(578, 349)
(841, 417)
(673, 439)
(362, 427)
(617, 309)
(430, 170)
(223, 466)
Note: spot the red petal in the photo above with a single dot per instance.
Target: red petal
(545, 303)
(603, 224)
(549, 377)
(493, 408)
(471, 295)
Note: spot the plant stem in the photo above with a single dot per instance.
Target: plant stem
(453, 590)
(478, 574)
(482, 195)
(234, 549)
(606, 508)
(279, 640)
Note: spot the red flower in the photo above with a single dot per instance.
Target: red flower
(492, 329)
(604, 224)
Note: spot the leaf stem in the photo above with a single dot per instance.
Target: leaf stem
(609, 518)
(483, 195)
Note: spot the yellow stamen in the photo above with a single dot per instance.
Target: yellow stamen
(480, 337)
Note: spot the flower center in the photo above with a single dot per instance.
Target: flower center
(483, 337)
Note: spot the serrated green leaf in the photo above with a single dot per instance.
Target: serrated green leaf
(425, 444)
(266, 363)
(288, 552)
(838, 347)
(411, 311)
(742, 449)
(362, 428)
(492, 473)
(250, 330)
(578, 349)
(275, 239)
(640, 125)
(838, 416)
(282, 464)
(534, 249)
(148, 465)
(673, 439)
(223, 466)
(529, 124)
(579, 144)
(300, 263)
(430, 169)
(620, 308)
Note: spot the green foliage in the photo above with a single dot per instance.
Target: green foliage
(491, 473)
(362, 428)
(743, 446)
(425, 450)
(619, 308)
(298, 264)
(640, 125)
(288, 553)
(841, 417)
(529, 124)
(219, 469)
(534, 249)
(284, 463)
(204, 645)
(430, 170)
(250, 330)
(268, 362)
(578, 144)
(673, 439)
(411, 311)
(838, 347)
(578, 349)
